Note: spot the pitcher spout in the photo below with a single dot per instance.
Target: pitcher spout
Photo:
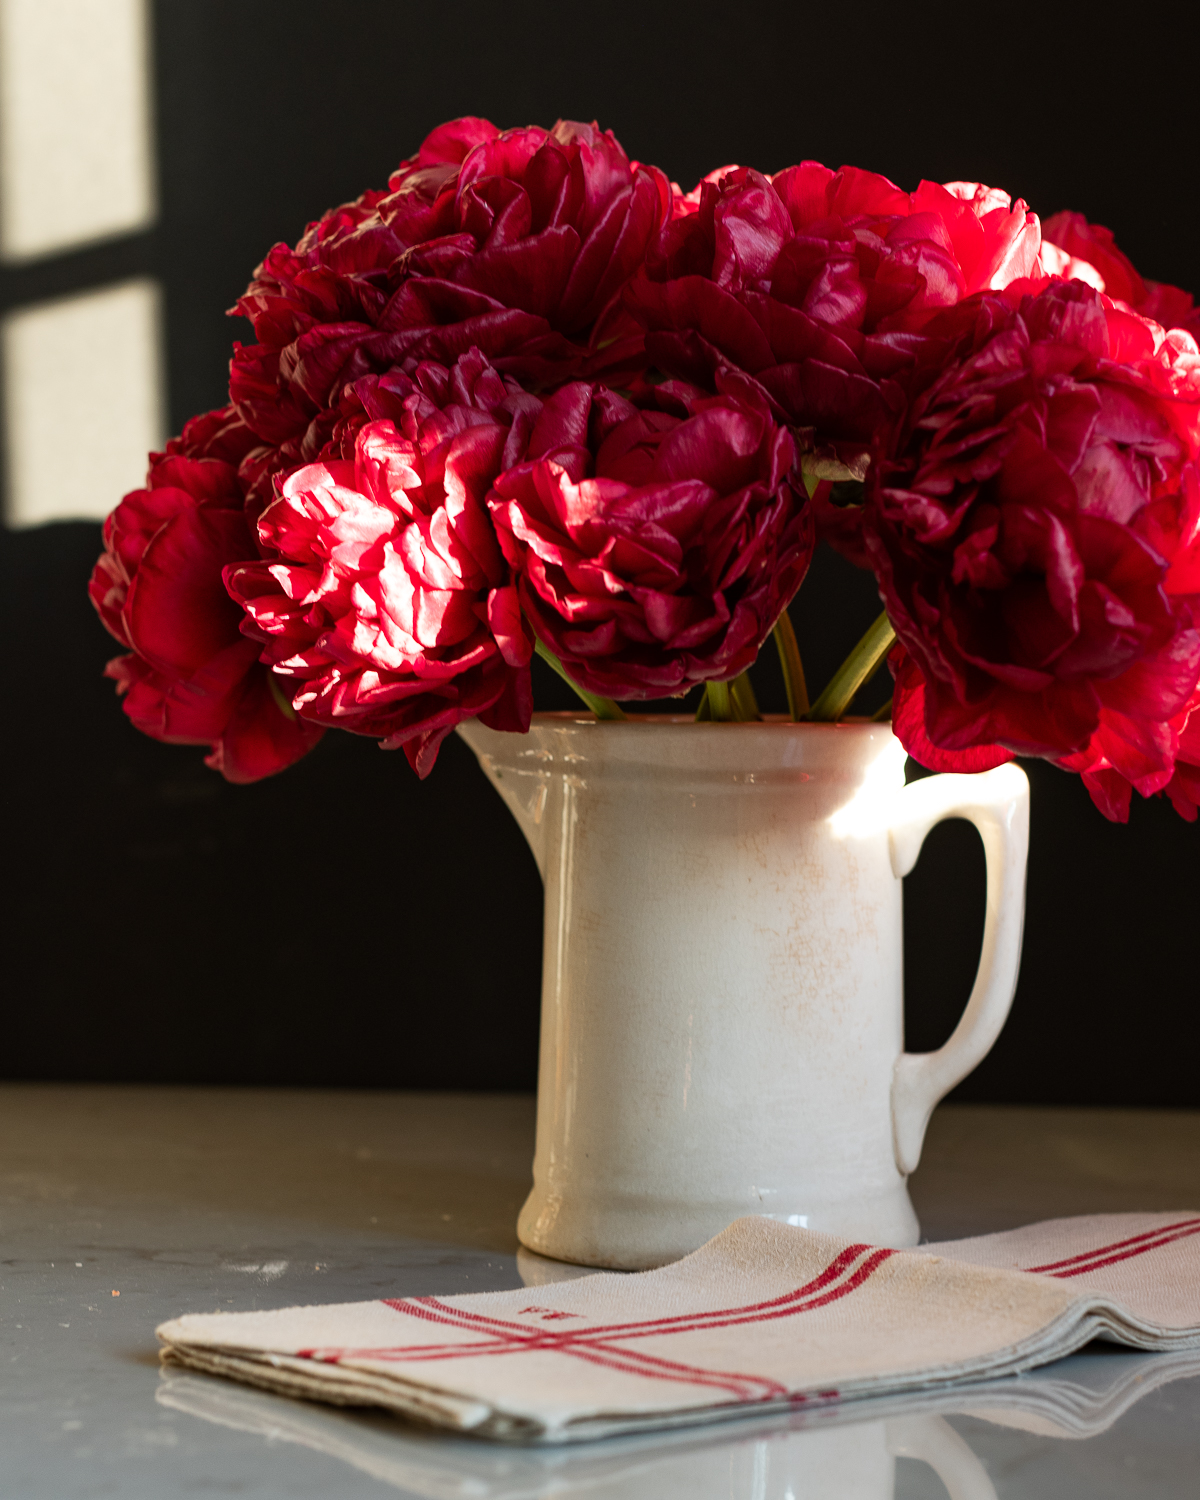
(525, 790)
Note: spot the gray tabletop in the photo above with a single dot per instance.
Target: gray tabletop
(121, 1207)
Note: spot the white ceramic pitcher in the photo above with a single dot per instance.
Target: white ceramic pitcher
(722, 1005)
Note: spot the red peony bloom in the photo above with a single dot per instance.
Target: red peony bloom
(1184, 786)
(1071, 247)
(517, 243)
(652, 551)
(1034, 523)
(817, 284)
(383, 595)
(192, 677)
(436, 397)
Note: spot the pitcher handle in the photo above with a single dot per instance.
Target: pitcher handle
(997, 802)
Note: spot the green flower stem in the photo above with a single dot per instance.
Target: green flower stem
(882, 715)
(859, 667)
(717, 703)
(603, 708)
(745, 704)
(728, 702)
(793, 667)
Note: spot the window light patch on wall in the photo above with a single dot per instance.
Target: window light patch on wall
(83, 401)
(76, 160)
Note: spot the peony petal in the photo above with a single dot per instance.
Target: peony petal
(178, 614)
(1110, 792)
(908, 725)
(261, 738)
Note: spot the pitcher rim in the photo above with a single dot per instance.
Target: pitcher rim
(666, 741)
(635, 725)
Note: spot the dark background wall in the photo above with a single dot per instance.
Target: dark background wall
(344, 924)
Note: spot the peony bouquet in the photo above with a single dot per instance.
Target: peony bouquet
(533, 397)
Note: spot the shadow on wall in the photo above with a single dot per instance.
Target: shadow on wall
(344, 924)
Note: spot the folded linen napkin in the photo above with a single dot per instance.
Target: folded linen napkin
(764, 1315)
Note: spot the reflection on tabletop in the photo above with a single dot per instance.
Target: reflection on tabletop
(837, 1451)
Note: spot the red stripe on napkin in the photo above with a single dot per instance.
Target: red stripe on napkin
(1107, 1255)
